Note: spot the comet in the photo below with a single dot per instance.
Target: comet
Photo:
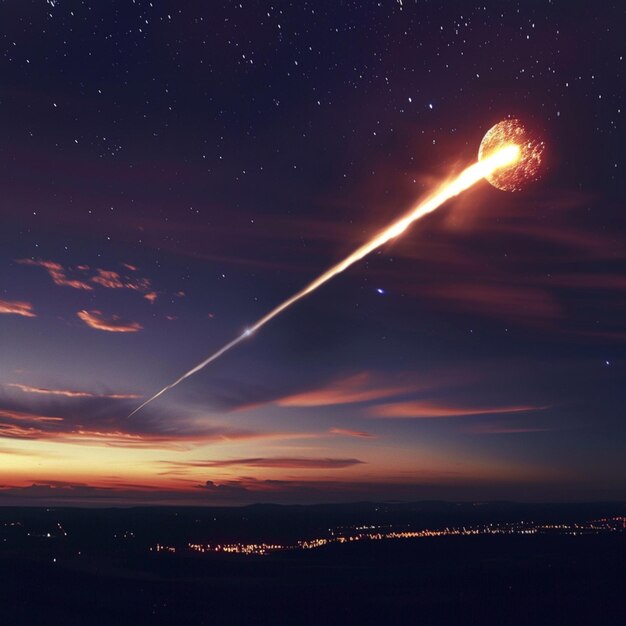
(504, 155)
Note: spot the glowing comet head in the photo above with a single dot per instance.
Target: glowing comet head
(519, 171)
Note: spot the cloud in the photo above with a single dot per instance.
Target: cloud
(359, 388)
(21, 416)
(101, 421)
(426, 486)
(114, 280)
(13, 307)
(69, 393)
(113, 324)
(58, 274)
(107, 431)
(419, 409)
(273, 462)
(109, 279)
(59, 492)
(347, 432)
(246, 491)
(351, 390)
(506, 481)
(115, 437)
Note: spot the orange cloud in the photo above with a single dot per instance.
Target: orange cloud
(58, 274)
(350, 390)
(50, 491)
(113, 280)
(114, 324)
(104, 278)
(108, 279)
(69, 393)
(117, 438)
(92, 425)
(417, 409)
(85, 436)
(25, 309)
(21, 416)
(346, 432)
(22, 425)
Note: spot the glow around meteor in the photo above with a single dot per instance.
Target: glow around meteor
(505, 156)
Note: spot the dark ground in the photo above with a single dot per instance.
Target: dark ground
(456, 580)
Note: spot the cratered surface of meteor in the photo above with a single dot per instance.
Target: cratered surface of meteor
(501, 154)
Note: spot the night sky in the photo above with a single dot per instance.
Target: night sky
(171, 171)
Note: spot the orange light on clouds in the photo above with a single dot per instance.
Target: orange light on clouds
(409, 410)
(25, 309)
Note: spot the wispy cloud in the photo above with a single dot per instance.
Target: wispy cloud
(112, 324)
(58, 274)
(359, 388)
(77, 277)
(71, 393)
(249, 490)
(347, 432)
(101, 421)
(271, 462)
(27, 425)
(351, 390)
(419, 409)
(118, 438)
(110, 279)
(23, 416)
(13, 307)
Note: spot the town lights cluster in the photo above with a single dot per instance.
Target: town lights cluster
(346, 535)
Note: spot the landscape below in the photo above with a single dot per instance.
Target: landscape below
(367, 563)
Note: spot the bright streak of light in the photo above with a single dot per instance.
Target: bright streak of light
(466, 179)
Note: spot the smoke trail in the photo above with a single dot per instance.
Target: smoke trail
(466, 179)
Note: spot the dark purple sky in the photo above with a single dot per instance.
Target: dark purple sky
(175, 170)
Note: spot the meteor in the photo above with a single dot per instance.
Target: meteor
(503, 157)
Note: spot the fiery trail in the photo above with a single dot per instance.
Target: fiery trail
(505, 156)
